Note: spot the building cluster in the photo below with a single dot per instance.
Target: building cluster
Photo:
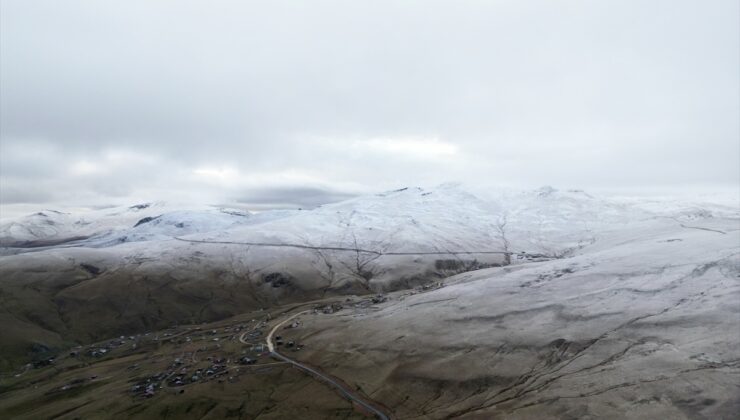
(102, 349)
(329, 309)
(186, 370)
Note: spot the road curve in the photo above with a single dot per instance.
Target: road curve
(345, 391)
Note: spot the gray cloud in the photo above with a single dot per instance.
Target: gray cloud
(291, 197)
(101, 101)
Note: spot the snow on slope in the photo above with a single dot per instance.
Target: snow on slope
(544, 221)
(108, 227)
(554, 222)
(148, 266)
(53, 225)
(192, 242)
(407, 220)
(641, 324)
(445, 220)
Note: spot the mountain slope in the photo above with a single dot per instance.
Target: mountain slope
(642, 324)
(149, 266)
(134, 269)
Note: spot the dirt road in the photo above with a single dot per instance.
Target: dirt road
(335, 383)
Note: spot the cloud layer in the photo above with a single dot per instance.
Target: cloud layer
(291, 103)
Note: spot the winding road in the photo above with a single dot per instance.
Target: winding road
(343, 389)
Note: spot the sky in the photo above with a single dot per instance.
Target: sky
(294, 103)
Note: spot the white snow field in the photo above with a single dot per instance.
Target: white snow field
(380, 242)
(642, 323)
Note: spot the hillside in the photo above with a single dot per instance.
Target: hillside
(642, 324)
(70, 278)
(617, 310)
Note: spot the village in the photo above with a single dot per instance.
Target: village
(173, 361)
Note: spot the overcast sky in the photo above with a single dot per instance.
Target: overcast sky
(295, 103)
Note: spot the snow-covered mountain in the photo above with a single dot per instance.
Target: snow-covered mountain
(410, 219)
(82, 276)
(148, 221)
(370, 242)
(643, 323)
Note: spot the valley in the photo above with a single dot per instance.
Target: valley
(586, 308)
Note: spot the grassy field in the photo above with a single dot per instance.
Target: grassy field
(194, 371)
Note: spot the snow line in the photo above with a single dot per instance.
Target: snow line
(339, 248)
